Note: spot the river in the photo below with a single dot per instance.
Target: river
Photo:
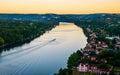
(44, 55)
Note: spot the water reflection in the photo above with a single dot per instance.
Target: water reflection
(45, 54)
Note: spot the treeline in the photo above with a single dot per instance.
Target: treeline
(111, 24)
(12, 31)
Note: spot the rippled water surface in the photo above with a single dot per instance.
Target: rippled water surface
(45, 54)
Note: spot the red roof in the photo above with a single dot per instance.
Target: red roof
(92, 42)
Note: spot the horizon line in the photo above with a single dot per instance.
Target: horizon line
(62, 13)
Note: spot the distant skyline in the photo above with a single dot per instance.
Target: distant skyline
(59, 6)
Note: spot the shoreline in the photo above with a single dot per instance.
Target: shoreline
(22, 41)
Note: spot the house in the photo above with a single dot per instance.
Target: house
(93, 58)
(92, 43)
(104, 45)
(103, 60)
(98, 46)
(86, 67)
(103, 31)
(89, 30)
(117, 45)
(93, 35)
(85, 54)
(106, 71)
(30, 23)
(93, 68)
(88, 48)
(83, 67)
(101, 45)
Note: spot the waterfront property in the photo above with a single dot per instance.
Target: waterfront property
(43, 55)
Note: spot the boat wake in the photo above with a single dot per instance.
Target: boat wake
(30, 49)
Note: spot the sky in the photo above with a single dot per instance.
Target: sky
(60, 6)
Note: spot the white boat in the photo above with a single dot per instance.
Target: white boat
(53, 40)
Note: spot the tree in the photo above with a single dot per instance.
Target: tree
(103, 66)
(74, 59)
(108, 54)
(92, 53)
(117, 59)
(79, 53)
(64, 71)
(1, 41)
(85, 60)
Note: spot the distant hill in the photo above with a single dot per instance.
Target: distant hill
(54, 17)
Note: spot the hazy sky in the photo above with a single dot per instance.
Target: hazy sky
(60, 6)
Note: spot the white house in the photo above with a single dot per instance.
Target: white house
(83, 67)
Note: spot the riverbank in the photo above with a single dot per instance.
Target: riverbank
(52, 47)
(23, 32)
(98, 57)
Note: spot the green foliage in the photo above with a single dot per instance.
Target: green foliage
(113, 30)
(104, 74)
(109, 42)
(117, 59)
(74, 59)
(64, 71)
(92, 53)
(85, 60)
(107, 54)
(17, 30)
(1, 41)
(103, 66)
(112, 57)
(79, 53)
(112, 73)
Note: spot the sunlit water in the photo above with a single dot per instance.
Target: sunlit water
(44, 55)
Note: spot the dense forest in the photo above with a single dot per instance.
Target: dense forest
(16, 31)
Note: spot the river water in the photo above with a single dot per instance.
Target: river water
(44, 55)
